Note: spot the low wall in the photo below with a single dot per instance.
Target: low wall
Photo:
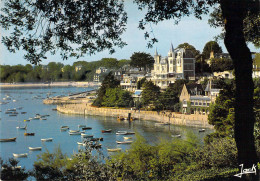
(173, 118)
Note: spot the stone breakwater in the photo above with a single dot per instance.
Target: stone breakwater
(163, 117)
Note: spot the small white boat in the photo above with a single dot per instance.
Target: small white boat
(47, 139)
(86, 135)
(74, 133)
(19, 127)
(127, 138)
(35, 148)
(64, 128)
(121, 132)
(201, 130)
(20, 155)
(80, 143)
(176, 136)
(124, 142)
(114, 149)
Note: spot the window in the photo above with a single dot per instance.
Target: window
(200, 103)
(192, 103)
(196, 103)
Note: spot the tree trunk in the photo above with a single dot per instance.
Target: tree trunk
(234, 13)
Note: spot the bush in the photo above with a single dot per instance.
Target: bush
(220, 153)
(11, 171)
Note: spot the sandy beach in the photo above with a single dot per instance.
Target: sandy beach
(52, 84)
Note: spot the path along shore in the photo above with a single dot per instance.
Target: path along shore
(83, 106)
(49, 84)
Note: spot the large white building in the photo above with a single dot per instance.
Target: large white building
(179, 64)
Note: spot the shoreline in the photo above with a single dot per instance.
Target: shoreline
(84, 108)
(52, 84)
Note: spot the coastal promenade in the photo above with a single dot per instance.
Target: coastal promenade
(195, 120)
(50, 84)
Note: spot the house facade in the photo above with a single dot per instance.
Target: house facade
(179, 64)
(195, 100)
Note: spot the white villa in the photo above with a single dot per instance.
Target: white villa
(179, 64)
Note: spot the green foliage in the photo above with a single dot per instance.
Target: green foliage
(11, 171)
(109, 82)
(211, 46)
(141, 60)
(150, 93)
(50, 165)
(69, 28)
(221, 64)
(220, 153)
(115, 97)
(158, 162)
(190, 47)
(140, 83)
(251, 24)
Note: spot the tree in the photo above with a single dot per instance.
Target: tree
(110, 63)
(209, 47)
(93, 25)
(141, 60)
(97, 25)
(221, 64)
(249, 25)
(190, 47)
(150, 93)
(108, 83)
(170, 98)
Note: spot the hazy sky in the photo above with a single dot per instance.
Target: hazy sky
(191, 30)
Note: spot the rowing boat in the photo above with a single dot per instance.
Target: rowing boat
(20, 155)
(74, 133)
(8, 139)
(124, 142)
(35, 148)
(106, 131)
(47, 139)
(114, 149)
(29, 134)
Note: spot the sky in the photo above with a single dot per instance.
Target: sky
(189, 29)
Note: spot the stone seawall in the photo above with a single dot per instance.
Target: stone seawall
(173, 118)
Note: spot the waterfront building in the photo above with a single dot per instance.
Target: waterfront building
(179, 64)
(99, 72)
(195, 100)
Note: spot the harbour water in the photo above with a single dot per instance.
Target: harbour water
(30, 101)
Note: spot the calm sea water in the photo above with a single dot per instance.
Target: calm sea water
(30, 99)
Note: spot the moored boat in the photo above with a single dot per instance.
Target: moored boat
(19, 127)
(114, 149)
(176, 136)
(106, 131)
(80, 143)
(74, 133)
(47, 139)
(8, 139)
(201, 130)
(26, 120)
(96, 139)
(121, 132)
(85, 128)
(64, 128)
(124, 142)
(29, 134)
(35, 148)
(86, 135)
(127, 138)
(20, 155)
